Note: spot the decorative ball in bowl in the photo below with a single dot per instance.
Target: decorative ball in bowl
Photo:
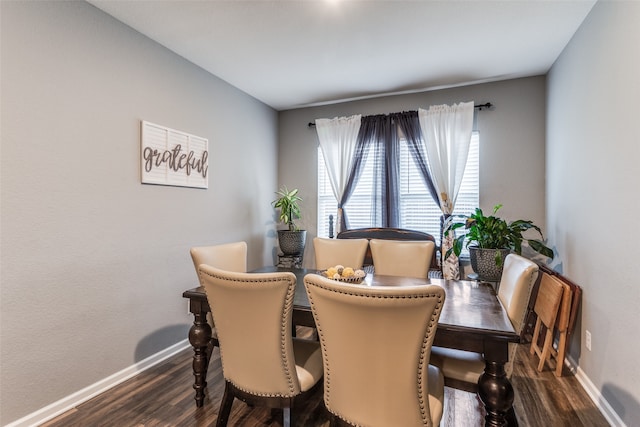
(345, 274)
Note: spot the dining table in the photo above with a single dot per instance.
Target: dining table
(472, 319)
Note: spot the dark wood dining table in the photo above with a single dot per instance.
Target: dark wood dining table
(472, 319)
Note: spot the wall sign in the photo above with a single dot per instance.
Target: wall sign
(172, 157)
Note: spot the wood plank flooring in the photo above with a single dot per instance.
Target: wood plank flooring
(163, 396)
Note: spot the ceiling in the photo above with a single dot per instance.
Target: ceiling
(291, 54)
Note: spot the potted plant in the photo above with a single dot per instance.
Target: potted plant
(292, 240)
(490, 239)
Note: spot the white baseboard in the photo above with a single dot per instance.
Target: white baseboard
(56, 408)
(601, 403)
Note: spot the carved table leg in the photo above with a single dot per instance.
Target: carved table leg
(494, 388)
(199, 337)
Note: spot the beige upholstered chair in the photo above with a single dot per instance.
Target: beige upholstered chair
(402, 258)
(228, 256)
(347, 252)
(389, 233)
(462, 369)
(371, 383)
(262, 363)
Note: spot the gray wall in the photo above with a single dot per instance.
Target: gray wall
(592, 194)
(93, 262)
(512, 165)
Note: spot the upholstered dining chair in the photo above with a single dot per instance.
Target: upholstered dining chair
(462, 369)
(262, 363)
(402, 257)
(347, 252)
(390, 233)
(374, 384)
(227, 256)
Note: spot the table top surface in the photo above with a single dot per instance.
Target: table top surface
(469, 306)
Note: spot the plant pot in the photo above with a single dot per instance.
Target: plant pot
(292, 242)
(483, 262)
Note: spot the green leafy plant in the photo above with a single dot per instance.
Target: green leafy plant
(287, 202)
(492, 232)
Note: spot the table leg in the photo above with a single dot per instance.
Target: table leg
(494, 388)
(199, 337)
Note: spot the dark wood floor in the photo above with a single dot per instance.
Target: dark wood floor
(163, 396)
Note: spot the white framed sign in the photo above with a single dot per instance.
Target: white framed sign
(172, 157)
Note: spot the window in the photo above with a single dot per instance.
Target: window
(418, 211)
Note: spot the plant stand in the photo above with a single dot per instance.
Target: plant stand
(289, 261)
(474, 277)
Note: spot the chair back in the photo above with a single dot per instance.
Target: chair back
(548, 299)
(253, 317)
(517, 280)
(389, 233)
(369, 381)
(330, 252)
(228, 256)
(402, 257)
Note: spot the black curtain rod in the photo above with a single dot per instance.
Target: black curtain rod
(480, 107)
(485, 105)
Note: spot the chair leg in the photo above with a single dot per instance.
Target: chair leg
(546, 349)
(225, 406)
(511, 418)
(536, 334)
(562, 347)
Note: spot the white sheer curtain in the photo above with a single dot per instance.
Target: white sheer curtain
(338, 137)
(447, 134)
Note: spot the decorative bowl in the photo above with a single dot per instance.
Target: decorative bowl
(352, 279)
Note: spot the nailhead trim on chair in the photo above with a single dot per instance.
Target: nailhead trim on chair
(422, 370)
(283, 333)
(426, 418)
